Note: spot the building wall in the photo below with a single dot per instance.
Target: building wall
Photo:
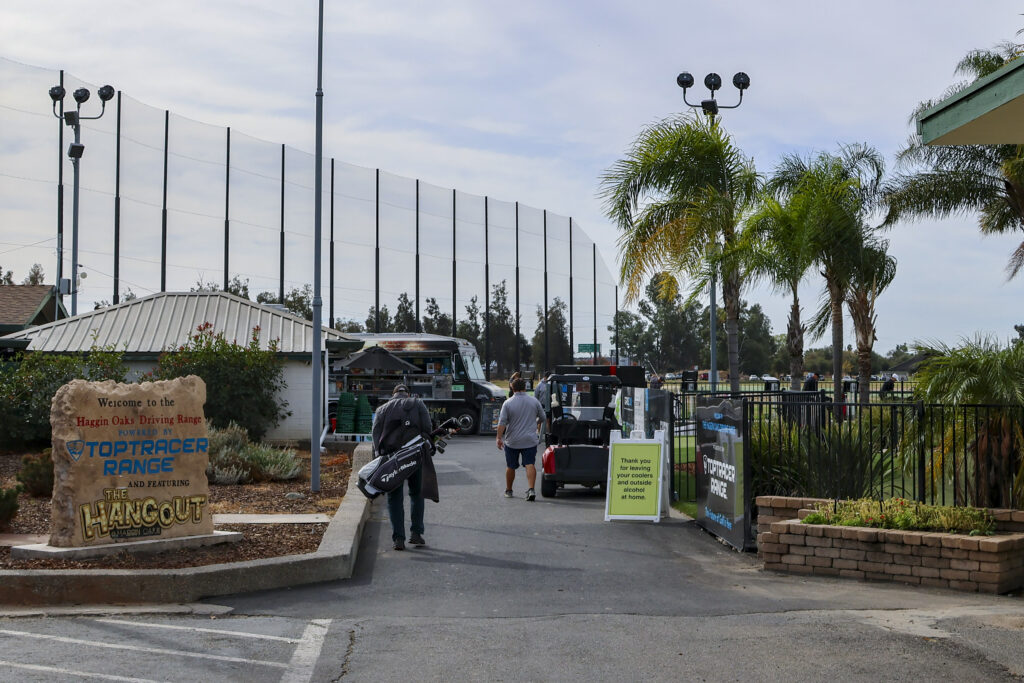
(298, 376)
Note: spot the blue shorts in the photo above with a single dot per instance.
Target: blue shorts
(512, 455)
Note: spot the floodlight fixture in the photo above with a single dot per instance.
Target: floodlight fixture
(73, 119)
(712, 82)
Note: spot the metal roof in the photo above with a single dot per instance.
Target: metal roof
(164, 321)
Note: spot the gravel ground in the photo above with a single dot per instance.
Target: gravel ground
(260, 541)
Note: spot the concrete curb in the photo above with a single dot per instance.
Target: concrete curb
(334, 559)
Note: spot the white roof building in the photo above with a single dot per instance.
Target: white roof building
(144, 328)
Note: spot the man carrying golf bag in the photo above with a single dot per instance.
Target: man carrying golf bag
(398, 422)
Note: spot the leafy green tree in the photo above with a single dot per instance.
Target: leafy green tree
(28, 383)
(502, 330)
(348, 325)
(683, 188)
(243, 382)
(236, 286)
(405, 315)
(635, 338)
(757, 345)
(842, 187)
(672, 343)
(298, 300)
(559, 351)
(35, 276)
(469, 327)
(945, 180)
(436, 322)
(386, 325)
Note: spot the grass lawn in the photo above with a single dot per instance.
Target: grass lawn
(686, 507)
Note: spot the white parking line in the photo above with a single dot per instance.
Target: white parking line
(303, 662)
(135, 648)
(197, 629)
(76, 674)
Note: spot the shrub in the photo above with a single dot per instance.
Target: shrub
(243, 383)
(234, 460)
(271, 464)
(28, 383)
(36, 474)
(900, 513)
(8, 505)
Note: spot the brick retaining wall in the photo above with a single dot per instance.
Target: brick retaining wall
(988, 564)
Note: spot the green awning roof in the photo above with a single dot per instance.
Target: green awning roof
(988, 112)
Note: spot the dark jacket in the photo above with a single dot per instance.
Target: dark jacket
(423, 423)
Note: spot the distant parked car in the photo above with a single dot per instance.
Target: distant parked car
(769, 378)
(788, 378)
(755, 378)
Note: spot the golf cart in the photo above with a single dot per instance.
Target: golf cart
(582, 417)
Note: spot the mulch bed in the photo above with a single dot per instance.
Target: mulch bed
(260, 541)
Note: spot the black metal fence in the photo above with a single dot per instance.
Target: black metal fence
(940, 454)
(805, 444)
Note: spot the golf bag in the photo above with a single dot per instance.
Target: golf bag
(385, 473)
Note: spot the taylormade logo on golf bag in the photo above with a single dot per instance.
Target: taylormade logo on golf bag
(385, 478)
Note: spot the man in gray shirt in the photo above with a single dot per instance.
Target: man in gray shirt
(518, 424)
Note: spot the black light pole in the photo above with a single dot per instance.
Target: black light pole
(711, 107)
(75, 151)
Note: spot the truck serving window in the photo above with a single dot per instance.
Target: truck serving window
(473, 367)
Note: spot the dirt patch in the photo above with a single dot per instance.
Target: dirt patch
(260, 540)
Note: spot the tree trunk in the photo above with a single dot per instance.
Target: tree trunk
(861, 307)
(836, 305)
(731, 298)
(795, 344)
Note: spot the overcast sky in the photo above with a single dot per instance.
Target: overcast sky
(531, 101)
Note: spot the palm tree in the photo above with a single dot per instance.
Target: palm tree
(959, 179)
(980, 372)
(844, 187)
(780, 239)
(873, 270)
(682, 188)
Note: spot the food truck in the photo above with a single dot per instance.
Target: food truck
(449, 378)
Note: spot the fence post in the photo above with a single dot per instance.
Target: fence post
(672, 443)
(920, 452)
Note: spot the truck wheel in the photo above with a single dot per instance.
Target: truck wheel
(470, 419)
(548, 488)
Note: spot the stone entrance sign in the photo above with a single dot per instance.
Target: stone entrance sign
(129, 462)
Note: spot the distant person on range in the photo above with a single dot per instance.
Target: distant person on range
(542, 392)
(811, 383)
(518, 435)
(888, 387)
(398, 421)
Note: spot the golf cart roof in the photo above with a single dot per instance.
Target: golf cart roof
(611, 380)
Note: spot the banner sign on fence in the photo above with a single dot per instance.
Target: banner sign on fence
(635, 481)
(722, 504)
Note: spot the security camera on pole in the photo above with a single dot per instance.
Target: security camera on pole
(710, 107)
(75, 152)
